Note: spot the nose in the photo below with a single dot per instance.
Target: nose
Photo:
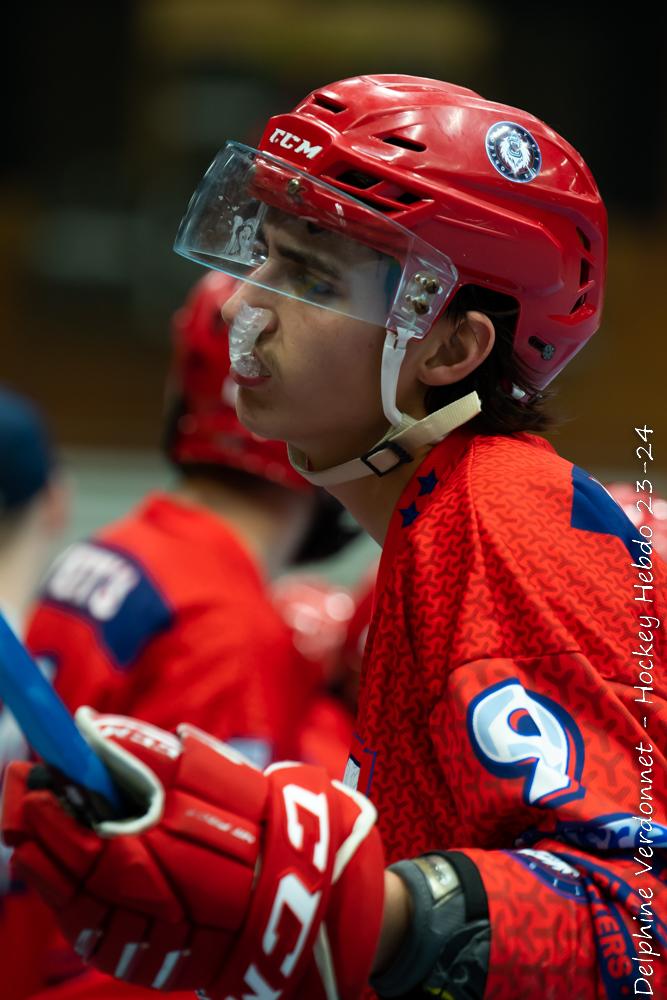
(251, 295)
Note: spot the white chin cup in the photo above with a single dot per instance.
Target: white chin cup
(246, 328)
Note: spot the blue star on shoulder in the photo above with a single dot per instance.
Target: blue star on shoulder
(427, 483)
(408, 514)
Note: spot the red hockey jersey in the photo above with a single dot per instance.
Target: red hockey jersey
(513, 708)
(163, 616)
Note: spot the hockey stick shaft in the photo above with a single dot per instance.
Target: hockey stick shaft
(47, 724)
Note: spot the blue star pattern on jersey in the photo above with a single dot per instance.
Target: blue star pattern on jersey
(427, 483)
(409, 514)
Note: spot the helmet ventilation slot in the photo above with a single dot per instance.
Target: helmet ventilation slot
(384, 197)
(378, 205)
(326, 102)
(399, 140)
(408, 198)
(585, 242)
(357, 179)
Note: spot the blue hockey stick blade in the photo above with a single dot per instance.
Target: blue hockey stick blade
(46, 723)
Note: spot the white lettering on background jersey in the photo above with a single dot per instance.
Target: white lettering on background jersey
(93, 579)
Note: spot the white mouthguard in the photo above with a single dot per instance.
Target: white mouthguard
(246, 328)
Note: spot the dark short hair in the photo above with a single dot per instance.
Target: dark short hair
(27, 454)
(493, 379)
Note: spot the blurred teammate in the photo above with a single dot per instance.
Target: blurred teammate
(168, 613)
(425, 263)
(351, 652)
(33, 504)
(33, 514)
(319, 614)
(174, 597)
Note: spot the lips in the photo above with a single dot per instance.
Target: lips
(248, 382)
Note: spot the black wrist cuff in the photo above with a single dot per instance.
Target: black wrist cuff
(477, 907)
(446, 948)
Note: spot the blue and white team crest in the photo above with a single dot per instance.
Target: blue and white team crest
(513, 151)
(517, 733)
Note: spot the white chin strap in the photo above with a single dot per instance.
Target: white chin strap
(406, 435)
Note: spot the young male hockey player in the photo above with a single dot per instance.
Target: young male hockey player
(424, 263)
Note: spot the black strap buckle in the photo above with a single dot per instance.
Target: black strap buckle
(403, 457)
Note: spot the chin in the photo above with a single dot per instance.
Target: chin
(260, 420)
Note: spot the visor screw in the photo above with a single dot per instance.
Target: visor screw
(294, 188)
(419, 303)
(428, 283)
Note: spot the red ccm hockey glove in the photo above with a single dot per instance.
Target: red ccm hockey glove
(227, 880)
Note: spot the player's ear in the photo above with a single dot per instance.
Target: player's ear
(453, 349)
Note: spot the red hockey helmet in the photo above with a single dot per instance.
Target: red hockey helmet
(452, 188)
(206, 430)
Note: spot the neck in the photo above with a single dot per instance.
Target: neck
(22, 562)
(371, 500)
(269, 520)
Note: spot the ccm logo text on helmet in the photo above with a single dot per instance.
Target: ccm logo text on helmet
(290, 141)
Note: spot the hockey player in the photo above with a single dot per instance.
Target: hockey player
(425, 262)
(319, 613)
(175, 596)
(168, 614)
(354, 644)
(33, 504)
(33, 513)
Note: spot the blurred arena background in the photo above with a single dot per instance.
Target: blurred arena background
(114, 109)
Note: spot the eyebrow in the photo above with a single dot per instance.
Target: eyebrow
(303, 257)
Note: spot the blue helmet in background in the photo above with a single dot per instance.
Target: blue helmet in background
(27, 455)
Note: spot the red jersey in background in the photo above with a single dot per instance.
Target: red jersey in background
(165, 616)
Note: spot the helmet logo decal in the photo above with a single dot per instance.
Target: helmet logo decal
(513, 152)
(290, 141)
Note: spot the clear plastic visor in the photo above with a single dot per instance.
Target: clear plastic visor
(260, 219)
